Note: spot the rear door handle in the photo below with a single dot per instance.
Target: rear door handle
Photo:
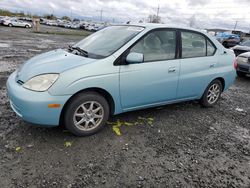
(172, 69)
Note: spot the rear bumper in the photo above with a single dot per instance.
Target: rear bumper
(33, 106)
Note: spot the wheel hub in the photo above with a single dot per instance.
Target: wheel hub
(213, 93)
(88, 115)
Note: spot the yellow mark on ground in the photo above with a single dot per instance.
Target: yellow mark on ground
(18, 149)
(67, 144)
(140, 121)
(117, 130)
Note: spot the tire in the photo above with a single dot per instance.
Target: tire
(207, 101)
(26, 26)
(10, 25)
(241, 74)
(78, 116)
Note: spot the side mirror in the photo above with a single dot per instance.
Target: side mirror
(134, 57)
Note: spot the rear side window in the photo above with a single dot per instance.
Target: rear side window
(196, 45)
(157, 46)
(210, 48)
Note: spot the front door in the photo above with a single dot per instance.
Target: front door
(155, 80)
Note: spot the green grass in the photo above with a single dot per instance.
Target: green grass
(76, 33)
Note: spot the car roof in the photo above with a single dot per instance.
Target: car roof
(157, 25)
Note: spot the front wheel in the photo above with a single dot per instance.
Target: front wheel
(10, 25)
(26, 26)
(212, 94)
(86, 114)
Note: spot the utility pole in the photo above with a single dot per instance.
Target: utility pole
(236, 23)
(157, 14)
(71, 14)
(101, 15)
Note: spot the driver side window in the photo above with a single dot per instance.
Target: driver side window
(157, 46)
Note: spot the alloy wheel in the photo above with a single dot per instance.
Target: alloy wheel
(88, 115)
(213, 93)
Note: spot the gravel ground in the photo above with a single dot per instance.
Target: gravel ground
(181, 145)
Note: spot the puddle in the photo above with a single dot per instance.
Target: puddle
(34, 50)
(4, 45)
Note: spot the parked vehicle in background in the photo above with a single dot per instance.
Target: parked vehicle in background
(228, 40)
(52, 23)
(243, 64)
(74, 25)
(90, 27)
(1, 20)
(13, 22)
(82, 26)
(120, 69)
(67, 25)
(241, 48)
(243, 35)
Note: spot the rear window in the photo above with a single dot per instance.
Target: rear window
(196, 45)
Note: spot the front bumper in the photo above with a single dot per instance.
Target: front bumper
(32, 106)
(243, 68)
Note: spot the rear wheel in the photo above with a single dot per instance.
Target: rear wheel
(241, 74)
(86, 114)
(212, 94)
(10, 25)
(26, 26)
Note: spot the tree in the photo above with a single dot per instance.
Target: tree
(50, 17)
(76, 20)
(154, 18)
(5, 12)
(65, 18)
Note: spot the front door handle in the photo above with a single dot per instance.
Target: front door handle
(172, 69)
(212, 65)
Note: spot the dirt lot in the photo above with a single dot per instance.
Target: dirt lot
(180, 145)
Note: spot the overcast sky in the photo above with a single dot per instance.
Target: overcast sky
(206, 13)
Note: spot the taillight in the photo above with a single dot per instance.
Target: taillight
(235, 63)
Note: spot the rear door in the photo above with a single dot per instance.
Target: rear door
(14, 22)
(155, 80)
(198, 64)
(21, 23)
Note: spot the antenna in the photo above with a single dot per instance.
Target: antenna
(157, 14)
(236, 23)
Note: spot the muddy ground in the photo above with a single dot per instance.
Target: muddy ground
(181, 145)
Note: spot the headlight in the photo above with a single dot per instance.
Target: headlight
(41, 82)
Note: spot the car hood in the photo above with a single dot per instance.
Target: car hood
(56, 61)
(238, 47)
(246, 55)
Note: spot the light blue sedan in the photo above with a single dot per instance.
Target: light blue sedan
(119, 69)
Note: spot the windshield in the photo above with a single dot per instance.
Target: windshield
(247, 43)
(106, 41)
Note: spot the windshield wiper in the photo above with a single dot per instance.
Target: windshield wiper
(81, 51)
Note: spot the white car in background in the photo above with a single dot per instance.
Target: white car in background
(75, 25)
(51, 23)
(16, 23)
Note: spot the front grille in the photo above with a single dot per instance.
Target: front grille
(238, 52)
(20, 82)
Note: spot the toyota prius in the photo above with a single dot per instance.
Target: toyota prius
(119, 69)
